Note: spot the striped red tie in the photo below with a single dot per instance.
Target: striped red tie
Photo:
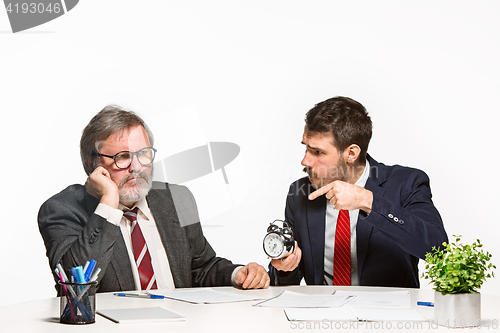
(342, 251)
(141, 253)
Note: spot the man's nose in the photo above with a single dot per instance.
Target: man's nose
(306, 161)
(135, 165)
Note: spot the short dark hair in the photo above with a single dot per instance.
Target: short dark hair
(346, 119)
(110, 120)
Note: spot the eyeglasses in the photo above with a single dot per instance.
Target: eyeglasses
(124, 159)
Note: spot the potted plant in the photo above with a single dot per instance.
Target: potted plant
(457, 272)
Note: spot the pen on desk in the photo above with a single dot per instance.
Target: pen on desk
(430, 304)
(140, 295)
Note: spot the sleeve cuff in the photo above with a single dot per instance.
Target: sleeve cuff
(112, 215)
(233, 276)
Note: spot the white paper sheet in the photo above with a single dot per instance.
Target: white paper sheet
(205, 295)
(290, 299)
(140, 315)
(376, 299)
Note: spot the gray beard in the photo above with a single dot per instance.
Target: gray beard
(135, 194)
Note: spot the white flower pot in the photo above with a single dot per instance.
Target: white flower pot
(457, 310)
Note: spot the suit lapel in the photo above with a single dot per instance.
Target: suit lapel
(122, 267)
(173, 238)
(316, 212)
(363, 228)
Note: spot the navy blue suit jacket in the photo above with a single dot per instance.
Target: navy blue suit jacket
(403, 225)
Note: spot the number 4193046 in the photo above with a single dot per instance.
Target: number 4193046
(33, 8)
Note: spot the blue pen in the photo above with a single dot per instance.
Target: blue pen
(89, 270)
(140, 295)
(75, 275)
(430, 304)
(81, 276)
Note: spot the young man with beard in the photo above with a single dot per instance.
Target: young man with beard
(143, 234)
(355, 221)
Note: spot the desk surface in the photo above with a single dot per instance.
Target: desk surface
(42, 315)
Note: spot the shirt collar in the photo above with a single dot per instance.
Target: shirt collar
(143, 208)
(364, 176)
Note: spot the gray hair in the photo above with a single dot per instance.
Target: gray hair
(110, 120)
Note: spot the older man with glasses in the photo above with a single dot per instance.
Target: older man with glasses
(143, 234)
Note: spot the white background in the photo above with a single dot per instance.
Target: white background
(246, 72)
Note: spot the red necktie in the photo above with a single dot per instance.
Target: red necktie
(141, 253)
(342, 251)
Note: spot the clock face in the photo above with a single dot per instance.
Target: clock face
(273, 245)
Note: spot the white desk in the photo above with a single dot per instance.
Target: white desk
(43, 315)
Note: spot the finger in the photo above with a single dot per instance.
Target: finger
(292, 262)
(258, 280)
(280, 264)
(320, 191)
(299, 254)
(296, 259)
(268, 282)
(265, 281)
(103, 171)
(240, 276)
(329, 195)
(249, 279)
(255, 283)
(277, 263)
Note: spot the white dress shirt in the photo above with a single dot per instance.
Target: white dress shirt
(331, 225)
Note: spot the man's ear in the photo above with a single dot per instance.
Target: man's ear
(90, 167)
(351, 153)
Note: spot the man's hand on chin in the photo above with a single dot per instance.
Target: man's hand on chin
(100, 185)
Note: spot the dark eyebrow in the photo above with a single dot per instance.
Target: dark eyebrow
(311, 147)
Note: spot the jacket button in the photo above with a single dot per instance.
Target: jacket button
(390, 216)
(401, 222)
(396, 219)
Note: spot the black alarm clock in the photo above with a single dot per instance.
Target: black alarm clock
(278, 242)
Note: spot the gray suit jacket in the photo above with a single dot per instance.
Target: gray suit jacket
(73, 234)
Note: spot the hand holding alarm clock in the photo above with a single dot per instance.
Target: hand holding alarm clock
(278, 242)
(280, 246)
